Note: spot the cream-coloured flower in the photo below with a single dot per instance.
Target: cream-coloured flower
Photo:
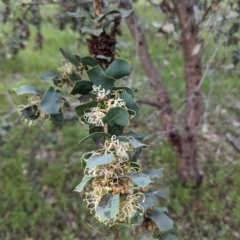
(95, 116)
(66, 67)
(101, 93)
(112, 103)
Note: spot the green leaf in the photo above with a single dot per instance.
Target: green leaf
(89, 61)
(70, 57)
(136, 144)
(163, 210)
(87, 155)
(130, 103)
(66, 104)
(57, 119)
(98, 77)
(80, 13)
(123, 43)
(115, 129)
(138, 136)
(118, 68)
(123, 12)
(97, 160)
(136, 166)
(153, 173)
(83, 108)
(27, 89)
(140, 179)
(51, 101)
(163, 192)
(136, 155)
(108, 207)
(107, 58)
(137, 219)
(124, 89)
(107, 24)
(73, 77)
(163, 222)
(168, 236)
(117, 115)
(93, 31)
(149, 200)
(82, 87)
(57, 81)
(82, 184)
(123, 138)
(31, 112)
(120, 226)
(96, 134)
(95, 129)
(48, 75)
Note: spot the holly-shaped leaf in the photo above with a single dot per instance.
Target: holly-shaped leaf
(168, 236)
(27, 89)
(96, 135)
(108, 207)
(98, 77)
(57, 120)
(107, 58)
(135, 143)
(140, 179)
(82, 184)
(163, 192)
(74, 77)
(123, 12)
(153, 173)
(31, 112)
(96, 160)
(89, 61)
(80, 13)
(83, 108)
(119, 68)
(75, 60)
(82, 87)
(96, 129)
(137, 136)
(123, 138)
(51, 102)
(136, 155)
(115, 129)
(48, 75)
(117, 115)
(124, 89)
(149, 200)
(163, 222)
(92, 31)
(130, 103)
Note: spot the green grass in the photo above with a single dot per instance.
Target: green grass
(40, 166)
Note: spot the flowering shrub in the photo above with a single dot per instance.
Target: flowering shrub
(116, 188)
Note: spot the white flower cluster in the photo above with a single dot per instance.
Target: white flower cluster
(101, 94)
(108, 179)
(96, 114)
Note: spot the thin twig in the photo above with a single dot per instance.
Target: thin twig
(9, 114)
(148, 101)
(116, 235)
(106, 128)
(97, 7)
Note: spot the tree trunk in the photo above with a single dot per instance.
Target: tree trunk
(188, 20)
(184, 144)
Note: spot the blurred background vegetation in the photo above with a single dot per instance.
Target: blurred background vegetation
(40, 165)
